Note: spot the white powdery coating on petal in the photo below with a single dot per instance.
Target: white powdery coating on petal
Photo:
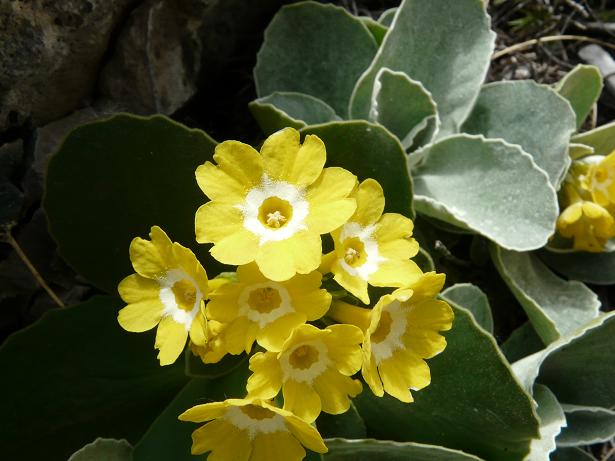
(242, 421)
(285, 307)
(282, 190)
(399, 323)
(307, 375)
(168, 297)
(370, 245)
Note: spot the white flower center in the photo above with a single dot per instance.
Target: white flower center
(361, 256)
(388, 335)
(305, 362)
(275, 210)
(181, 296)
(265, 302)
(256, 420)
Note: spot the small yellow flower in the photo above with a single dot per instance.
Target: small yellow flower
(601, 181)
(401, 331)
(255, 308)
(167, 290)
(251, 430)
(588, 224)
(372, 247)
(214, 349)
(272, 207)
(313, 369)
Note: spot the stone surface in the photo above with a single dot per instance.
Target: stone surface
(50, 54)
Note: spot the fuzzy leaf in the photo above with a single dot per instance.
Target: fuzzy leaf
(555, 307)
(385, 450)
(587, 426)
(316, 49)
(473, 183)
(473, 299)
(528, 114)
(596, 268)
(419, 43)
(104, 449)
(403, 106)
(581, 87)
(602, 139)
(552, 419)
(282, 109)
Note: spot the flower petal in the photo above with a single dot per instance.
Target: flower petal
(330, 206)
(266, 380)
(335, 389)
(273, 335)
(352, 283)
(236, 249)
(239, 169)
(344, 350)
(281, 260)
(301, 399)
(140, 316)
(204, 412)
(393, 226)
(370, 202)
(396, 274)
(306, 434)
(215, 221)
(136, 288)
(170, 340)
(275, 446)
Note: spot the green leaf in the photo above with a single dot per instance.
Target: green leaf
(348, 425)
(195, 368)
(282, 109)
(386, 18)
(76, 375)
(473, 182)
(385, 450)
(586, 426)
(377, 30)
(602, 139)
(169, 438)
(404, 107)
(552, 420)
(112, 180)
(424, 260)
(528, 114)
(571, 454)
(316, 49)
(473, 299)
(596, 268)
(579, 369)
(581, 87)
(555, 307)
(442, 44)
(522, 342)
(104, 449)
(369, 151)
(474, 403)
(577, 151)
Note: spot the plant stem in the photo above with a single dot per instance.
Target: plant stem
(550, 38)
(11, 241)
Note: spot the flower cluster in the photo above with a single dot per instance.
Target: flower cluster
(307, 344)
(588, 203)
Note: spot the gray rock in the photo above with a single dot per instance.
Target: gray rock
(50, 53)
(157, 60)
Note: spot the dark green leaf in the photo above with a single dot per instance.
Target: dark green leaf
(348, 425)
(473, 299)
(112, 180)
(76, 375)
(195, 368)
(104, 449)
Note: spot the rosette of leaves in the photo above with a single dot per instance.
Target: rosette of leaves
(400, 100)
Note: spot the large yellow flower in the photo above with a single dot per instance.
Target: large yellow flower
(372, 247)
(272, 207)
(251, 430)
(601, 181)
(401, 331)
(313, 369)
(255, 308)
(167, 290)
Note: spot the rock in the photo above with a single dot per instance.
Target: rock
(50, 53)
(157, 59)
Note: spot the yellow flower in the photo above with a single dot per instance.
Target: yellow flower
(401, 331)
(272, 207)
(601, 181)
(251, 430)
(313, 369)
(167, 290)
(372, 247)
(214, 349)
(588, 224)
(255, 308)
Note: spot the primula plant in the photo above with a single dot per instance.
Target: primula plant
(304, 298)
